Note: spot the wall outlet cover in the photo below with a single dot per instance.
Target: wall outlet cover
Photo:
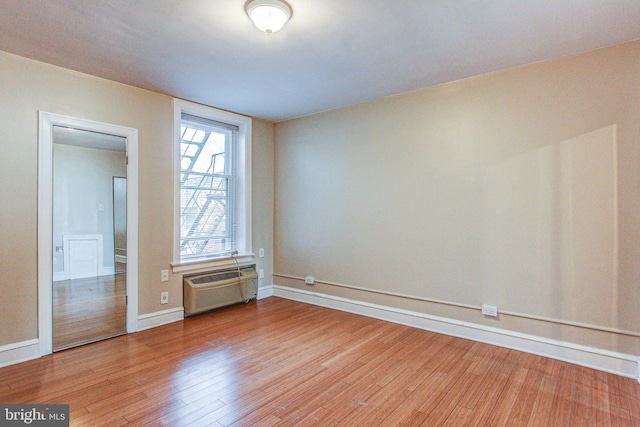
(490, 310)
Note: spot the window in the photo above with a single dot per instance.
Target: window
(212, 186)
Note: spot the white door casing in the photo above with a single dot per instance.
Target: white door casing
(45, 216)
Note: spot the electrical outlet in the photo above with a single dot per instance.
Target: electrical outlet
(261, 274)
(490, 310)
(309, 280)
(164, 275)
(261, 252)
(164, 298)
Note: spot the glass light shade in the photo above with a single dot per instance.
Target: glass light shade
(268, 15)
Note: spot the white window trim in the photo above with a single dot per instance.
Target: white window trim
(243, 182)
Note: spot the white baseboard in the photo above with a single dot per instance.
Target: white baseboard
(158, 318)
(617, 363)
(265, 292)
(19, 352)
(64, 275)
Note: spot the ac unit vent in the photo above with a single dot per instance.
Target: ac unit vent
(214, 278)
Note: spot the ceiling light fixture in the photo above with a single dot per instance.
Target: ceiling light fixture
(268, 15)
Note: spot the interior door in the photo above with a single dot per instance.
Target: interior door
(89, 292)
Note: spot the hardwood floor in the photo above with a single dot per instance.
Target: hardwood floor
(278, 362)
(86, 310)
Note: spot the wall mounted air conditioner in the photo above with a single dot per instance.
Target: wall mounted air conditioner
(216, 289)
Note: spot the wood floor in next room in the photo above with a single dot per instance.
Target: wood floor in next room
(284, 363)
(89, 309)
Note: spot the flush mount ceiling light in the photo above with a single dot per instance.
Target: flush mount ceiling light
(268, 15)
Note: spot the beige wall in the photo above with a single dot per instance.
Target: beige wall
(262, 182)
(519, 188)
(28, 86)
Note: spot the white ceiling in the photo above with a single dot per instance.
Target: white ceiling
(332, 53)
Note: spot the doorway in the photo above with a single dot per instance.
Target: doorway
(120, 224)
(77, 231)
(89, 213)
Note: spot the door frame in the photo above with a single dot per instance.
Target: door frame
(46, 121)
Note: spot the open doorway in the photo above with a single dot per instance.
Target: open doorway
(89, 229)
(79, 249)
(120, 224)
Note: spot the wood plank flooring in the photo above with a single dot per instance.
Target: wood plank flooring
(283, 363)
(86, 310)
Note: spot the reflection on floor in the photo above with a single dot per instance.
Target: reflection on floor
(87, 310)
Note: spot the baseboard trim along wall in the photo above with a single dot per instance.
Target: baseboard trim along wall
(159, 318)
(617, 363)
(608, 361)
(265, 292)
(19, 352)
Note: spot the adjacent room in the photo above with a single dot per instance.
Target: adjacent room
(321, 213)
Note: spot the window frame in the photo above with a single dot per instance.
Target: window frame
(242, 182)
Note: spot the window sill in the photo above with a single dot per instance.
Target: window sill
(198, 265)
